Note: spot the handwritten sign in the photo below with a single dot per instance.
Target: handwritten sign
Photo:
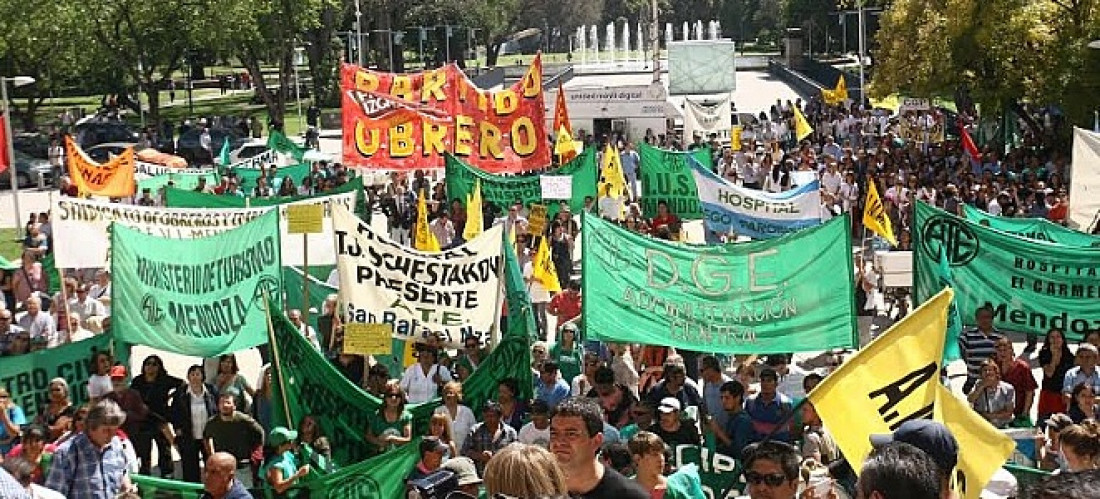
(304, 218)
(368, 339)
(556, 186)
(536, 219)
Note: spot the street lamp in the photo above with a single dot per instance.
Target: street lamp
(16, 81)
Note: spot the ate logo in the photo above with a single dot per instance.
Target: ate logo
(150, 310)
(960, 243)
(270, 287)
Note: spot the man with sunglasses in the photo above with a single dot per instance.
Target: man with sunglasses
(771, 470)
(8, 331)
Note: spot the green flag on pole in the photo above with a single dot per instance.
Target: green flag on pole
(223, 156)
(278, 142)
(954, 322)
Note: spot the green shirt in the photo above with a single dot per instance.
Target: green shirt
(286, 462)
(379, 427)
(570, 361)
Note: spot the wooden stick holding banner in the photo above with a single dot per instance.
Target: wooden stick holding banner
(305, 219)
(275, 357)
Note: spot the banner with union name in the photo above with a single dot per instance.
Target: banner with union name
(202, 297)
(1031, 286)
(407, 121)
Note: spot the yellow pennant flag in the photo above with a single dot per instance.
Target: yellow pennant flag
(113, 179)
(474, 218)
(564, 146)
(836, 95)
(891, 380)
(982, 448)
(874, 214)
(735, 138)
(543, 269)
(802, 128)
(612, 180)
(424, 240)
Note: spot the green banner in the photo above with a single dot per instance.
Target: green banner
(280, 143)
(200, 297)
(50, 268)
(790, 294)
(720, 474)
(184, 181)
(1039, 229)
(666, 176)
(381, 476)
(503, 190)
(180, 198)
(314, 386)
(247, 176)
(27, 377)
(1032, 286)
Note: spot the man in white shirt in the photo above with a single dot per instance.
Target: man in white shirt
(611, 208)
(84, 306)
(443, 229)
(76, 332)
(513, 221)
(422, 380)
(38, 324)
(537, 432)
(307, 331)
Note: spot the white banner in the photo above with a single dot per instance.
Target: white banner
(1084, 187)
(153, 169)
(82, 237)
(454, 293)
(749, 212)
(556, 186)
(262, 160)
(913, 104)
(703, 120)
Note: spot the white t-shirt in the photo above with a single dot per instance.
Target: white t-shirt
(199, 416)
(831, 181)
(419, 386)
(99, 385)
(538, 292)
(530, 435)
(460, 423)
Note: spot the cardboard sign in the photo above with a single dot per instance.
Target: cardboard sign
(304, 218)
(536, 219)
(368, 339)
(556, 186)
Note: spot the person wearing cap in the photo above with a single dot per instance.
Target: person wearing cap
(898, 470)
(432, 451)
(234, 432)
(1085, 372)
(220, 481)
(771, 412)
(935, 440)
(281, 471)
(488, 436)
(550, 387)
(466, 472)
(1048, 445)
(129, 400)
(671, 427)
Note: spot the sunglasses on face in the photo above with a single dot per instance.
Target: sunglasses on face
(771, 480)
(393, 395)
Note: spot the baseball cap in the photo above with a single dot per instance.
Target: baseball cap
(432, 444)
(280, 435)
(929, 436)
(669, 404)
(118, 371)
(464, 469)
(1002, 485)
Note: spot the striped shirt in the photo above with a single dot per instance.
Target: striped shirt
(80, 469)
(975, 348)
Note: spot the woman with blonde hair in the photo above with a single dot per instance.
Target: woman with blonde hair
(439, 426)
(462, 418)
(528, 471)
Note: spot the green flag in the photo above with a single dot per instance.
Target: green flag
(182, 198)
(223, 156)
(182, 180)
(666, 176)
(1039, 229)
(1031, 286)
(314, 386)
(789, 294)
(248, 176)
(200, 297)
(954, 322)
(278, 142)
(27, 377)
(503, 190)
(6, 264)
(52, 274)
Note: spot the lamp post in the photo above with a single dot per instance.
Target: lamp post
(358, 34)
(17, 81)
(298, 59)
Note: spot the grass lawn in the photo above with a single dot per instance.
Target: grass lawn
(9, 247)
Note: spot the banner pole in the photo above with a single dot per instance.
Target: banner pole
(305, 282)
(275, 358)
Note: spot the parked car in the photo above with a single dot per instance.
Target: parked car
(187, 146)
(102, 153)
(35, 145)
(29, 172)
(94, 131)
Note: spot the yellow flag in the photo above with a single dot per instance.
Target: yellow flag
(802, 127)
(982, 448)
(424, 240)
(612, 180)
(564, 145)
(543, 269)
(891, 380)
(835, 95)
(474, 218)
(735, 138)
(874, 214)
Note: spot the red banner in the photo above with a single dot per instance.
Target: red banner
(4, 159)
(407, 121)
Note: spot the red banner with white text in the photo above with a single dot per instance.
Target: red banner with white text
(407, 121)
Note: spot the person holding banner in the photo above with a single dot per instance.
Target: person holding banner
(391, 426)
